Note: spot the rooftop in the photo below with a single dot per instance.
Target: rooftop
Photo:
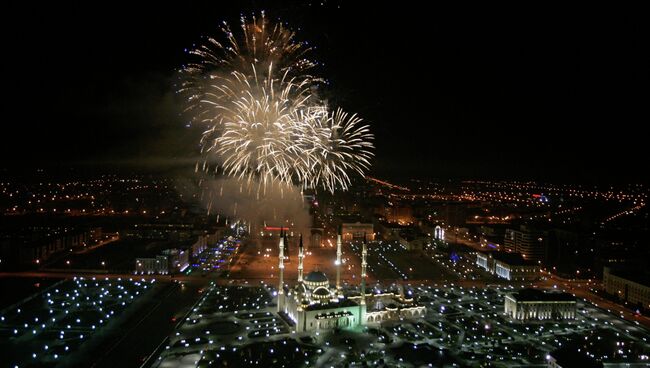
(534, 295)
(513, 259)
(332, 305)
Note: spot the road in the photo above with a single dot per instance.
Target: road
(581, 289)
(189, 279)
(64, 255)
(114, 238)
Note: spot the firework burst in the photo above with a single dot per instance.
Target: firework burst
(264, 123)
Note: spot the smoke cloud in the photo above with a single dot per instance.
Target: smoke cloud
(257, 204)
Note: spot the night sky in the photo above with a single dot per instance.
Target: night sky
(525, 93)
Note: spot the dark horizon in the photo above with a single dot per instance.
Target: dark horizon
(488, 94)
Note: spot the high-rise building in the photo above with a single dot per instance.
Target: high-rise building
(531, 243)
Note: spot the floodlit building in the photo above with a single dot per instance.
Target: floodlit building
(314, 304)
(413, 241)
(173, 260)
(533, 304)
(439, 233)
(352, 231)
(631, 287)
(158, 265)
(510, 266)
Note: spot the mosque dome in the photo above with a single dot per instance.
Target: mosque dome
(316, 279)
(316, 276)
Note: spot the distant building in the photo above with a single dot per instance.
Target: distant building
(510, 266)
(174, 260)
(179, 259)
(96, 234)
(529, 242)
(162, 231)
(399, 213)
(491, 237)
(454, 213)
(533, 304)
(201, 244)
(439, 233)
(389, 231)
(628, 286)
(355, 231)
(35, 245)
(413, 241)
(169, 262)
(316, 238)
(158, 265)
(272, 232)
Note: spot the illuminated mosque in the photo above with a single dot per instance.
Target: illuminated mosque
(313, 304)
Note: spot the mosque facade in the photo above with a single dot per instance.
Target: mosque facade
(313, 303)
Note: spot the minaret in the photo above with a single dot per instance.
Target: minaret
(281, 267)
(286, 247)
(364, 253)
(338, 261)
(301, 255)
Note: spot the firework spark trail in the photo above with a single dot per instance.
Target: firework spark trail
(329, 145)
(264, 122)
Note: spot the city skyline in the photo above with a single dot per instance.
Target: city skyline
(324, 184)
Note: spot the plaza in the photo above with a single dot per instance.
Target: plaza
(462, 327)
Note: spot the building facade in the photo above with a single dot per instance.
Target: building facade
(533, 304)
(529, 242)
(174, 260)
(158, 265)
(34, 245)
(356, 231)
(510, 266)
(628, 287)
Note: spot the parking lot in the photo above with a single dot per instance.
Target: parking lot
(237, 326)
(50, 328)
